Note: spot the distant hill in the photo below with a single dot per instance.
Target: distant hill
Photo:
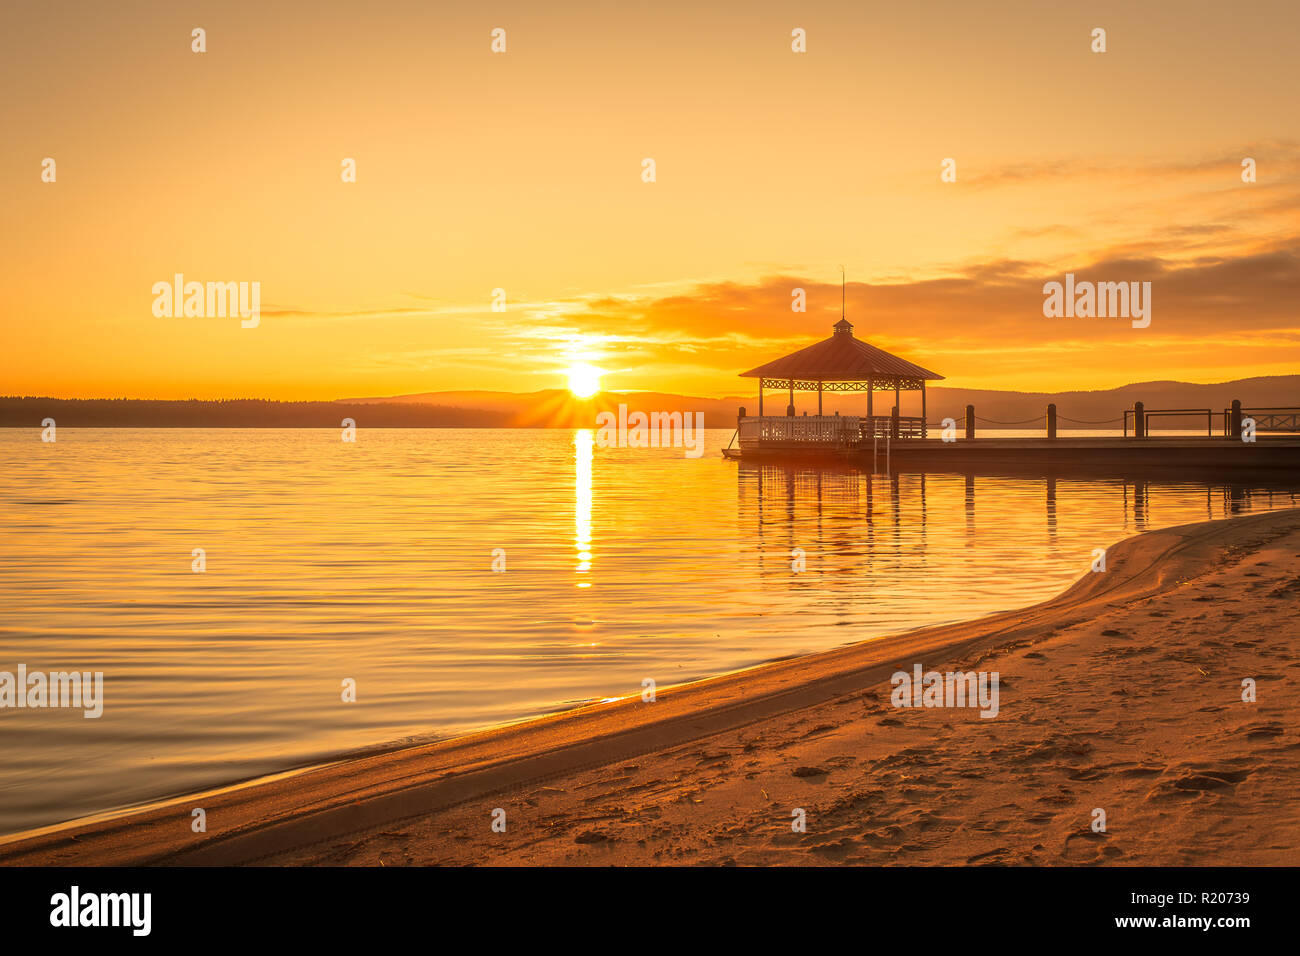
(556, 408)
(1261, 392)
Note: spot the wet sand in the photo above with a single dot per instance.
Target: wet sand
(1124, 694)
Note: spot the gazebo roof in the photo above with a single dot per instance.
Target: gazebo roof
(841, 358)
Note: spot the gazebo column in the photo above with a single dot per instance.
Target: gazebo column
(922, 408)
(897, 404)
(871, 394)
(819, 398)
(760, 398)
(789, 409)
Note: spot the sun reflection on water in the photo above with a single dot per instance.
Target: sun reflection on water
(583, 442)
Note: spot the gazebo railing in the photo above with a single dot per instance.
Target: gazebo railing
(829, 429)
(881, 426)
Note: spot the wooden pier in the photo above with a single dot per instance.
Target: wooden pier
(1170, 456)
(1264, 440)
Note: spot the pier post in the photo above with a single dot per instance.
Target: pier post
(1236, 418)
(970, 421)
(1139, 420)
(1051, 420)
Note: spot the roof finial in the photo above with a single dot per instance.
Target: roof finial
(843, 326)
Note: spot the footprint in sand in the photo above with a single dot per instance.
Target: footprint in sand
(835, 847)
(989, 858)
(1142, 771)
(1085, 846)
(1262, 731)
(1193, 781)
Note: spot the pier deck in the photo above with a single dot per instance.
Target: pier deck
(1195, 457)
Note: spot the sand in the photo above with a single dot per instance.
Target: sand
(1123, 694)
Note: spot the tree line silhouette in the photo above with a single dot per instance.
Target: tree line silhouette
(29, 412)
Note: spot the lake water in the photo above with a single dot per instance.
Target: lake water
(373, 561)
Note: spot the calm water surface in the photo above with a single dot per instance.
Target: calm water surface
(373, 561)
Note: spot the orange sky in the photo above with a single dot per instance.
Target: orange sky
(522, 171)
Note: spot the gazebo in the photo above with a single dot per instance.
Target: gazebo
(840, 363)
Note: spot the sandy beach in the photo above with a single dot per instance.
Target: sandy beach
(1124, 693)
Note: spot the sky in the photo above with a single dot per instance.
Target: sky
(523, 171)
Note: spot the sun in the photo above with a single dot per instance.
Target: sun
(584, 380)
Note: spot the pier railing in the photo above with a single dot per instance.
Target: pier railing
(852, 429)
(1142, 416)
(1285, 419)
(1279, 419)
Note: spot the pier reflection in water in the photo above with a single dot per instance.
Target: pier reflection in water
(944, 525)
